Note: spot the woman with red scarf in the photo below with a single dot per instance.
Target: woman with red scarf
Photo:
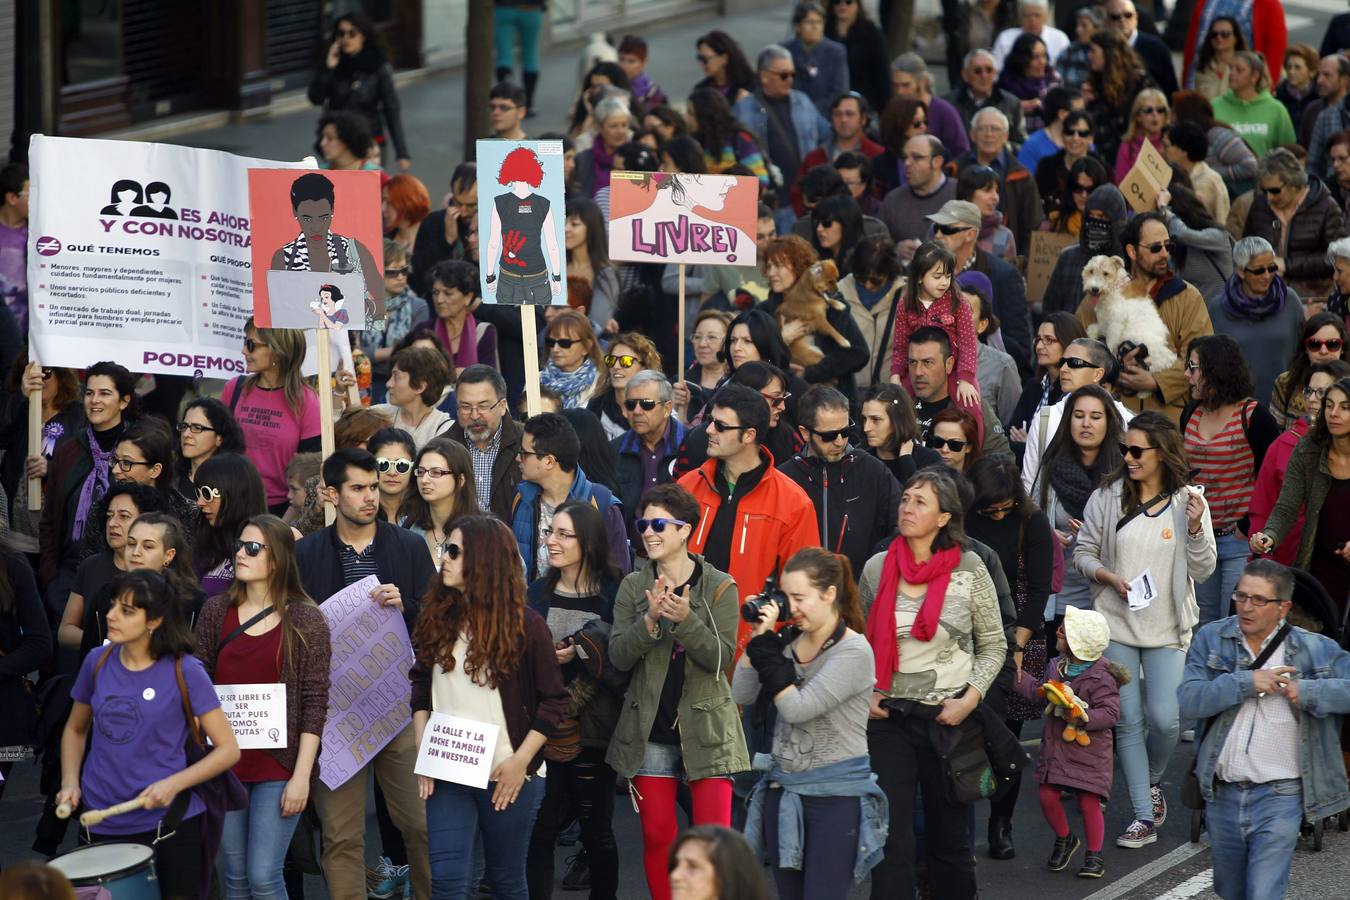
(938, 641)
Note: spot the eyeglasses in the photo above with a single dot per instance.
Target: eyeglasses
(397, 271)
(192, 427)
(998, 509)
(919, 123)
(434, 472)
(1334, 345)
(950, 230)
(1314, 394)
(832, 435)
(1157, 246)
(452, 551)
(933, 442)
(1134, 452)
(565, 343)
(1077, 362)
(657, 526)
(1150, 110)
(704, 60)
(561, 535)
(632, 405)
(523, 452)
(982, 70)
(706, 337)
(989, 129)
(1121, 16)
(1220, 34)
(625, 361)
(842, 2)
(480, 409)
(784, 76)
(777, 401)
(1271, 269)
(1273, 190)
(252, 548)
(401, 466)
(501, 107)
(1046, 339)
(250, 344)
(719, 426)
(126, 464)
(1078, 132)
(206, 493)
(1255, 601)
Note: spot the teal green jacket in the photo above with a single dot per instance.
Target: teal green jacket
(711, 740)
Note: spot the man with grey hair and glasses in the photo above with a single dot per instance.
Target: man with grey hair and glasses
(647, 450)
(784, 120)
(1256, 308)
(1267, 697)
(979, 88)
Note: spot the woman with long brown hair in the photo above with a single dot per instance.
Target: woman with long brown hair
(266, 630)
(444, 490)
(1118, 75)
(483, 655)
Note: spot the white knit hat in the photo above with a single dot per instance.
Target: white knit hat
(1087, 633)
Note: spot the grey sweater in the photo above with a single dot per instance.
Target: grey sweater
(824, 720)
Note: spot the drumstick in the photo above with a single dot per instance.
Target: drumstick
(64, 810)
(94, 816)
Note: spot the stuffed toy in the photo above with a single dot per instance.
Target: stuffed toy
(1067, 705)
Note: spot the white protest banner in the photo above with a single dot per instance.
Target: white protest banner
(139, 253)
(691, 219)
(457, 749)
(368, 692)
(1149, 175)
(257, 714)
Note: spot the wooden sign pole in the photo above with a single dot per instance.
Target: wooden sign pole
(34, 442)
(679, 333)
(325, 409)
(529, 335)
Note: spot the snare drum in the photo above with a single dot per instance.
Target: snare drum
(125, 871)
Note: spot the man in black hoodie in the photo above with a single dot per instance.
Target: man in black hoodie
(855, 496)
(1104, 221)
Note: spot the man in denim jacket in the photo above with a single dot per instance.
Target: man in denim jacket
(1271, 752)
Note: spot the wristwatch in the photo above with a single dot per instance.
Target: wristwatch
(557, 276)
(490, 278)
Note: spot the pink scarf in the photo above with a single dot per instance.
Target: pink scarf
(468, 341)
(936, 573)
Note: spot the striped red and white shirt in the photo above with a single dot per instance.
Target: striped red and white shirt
(1227, 467)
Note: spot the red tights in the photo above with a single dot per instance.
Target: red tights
(1089, 804)
(656, 809)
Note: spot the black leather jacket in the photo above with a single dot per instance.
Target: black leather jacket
(364, 89)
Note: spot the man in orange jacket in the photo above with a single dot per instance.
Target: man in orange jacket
(752, 517)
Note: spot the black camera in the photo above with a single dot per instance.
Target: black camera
(750, 609)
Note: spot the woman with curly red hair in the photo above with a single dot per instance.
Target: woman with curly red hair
(405, 202)
(483, 655)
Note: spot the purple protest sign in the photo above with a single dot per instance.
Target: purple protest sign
(369, 692)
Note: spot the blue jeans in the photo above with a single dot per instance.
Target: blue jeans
(457, 816)
(1253, 829)
(1215, 592)
(1151, 707)
(254, 842)
(509, 21)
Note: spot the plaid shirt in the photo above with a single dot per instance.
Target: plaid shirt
(483, 461)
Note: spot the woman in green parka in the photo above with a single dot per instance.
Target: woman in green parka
(675, 629)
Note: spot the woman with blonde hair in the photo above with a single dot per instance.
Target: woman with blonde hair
(575, 368)
(629, 353)
(1250, 108)
(266, 630)
(274, 392)
(1149, 116)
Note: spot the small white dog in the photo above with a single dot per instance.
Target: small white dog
(1125, 320)
(598, 49)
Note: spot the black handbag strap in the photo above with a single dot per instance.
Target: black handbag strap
(1203, 725)
(267, 611)
(1132, 514)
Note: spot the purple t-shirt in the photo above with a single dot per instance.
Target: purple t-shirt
(14, 272)
(139, 733)
(272, 432)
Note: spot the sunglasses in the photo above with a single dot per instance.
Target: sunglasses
(1121, 17)
(1077, 362)
(1157, 246)
(250, 344)
(933, 442)
(983, 70)
(777, 401)
(1080, 189)
(1273, 190)
(192, 427)
(657, 526)
(47, 374)
(719, 426)
(1149, 110)
(401, 466)
(950, 230)
(397, 271)
(1333, 345)
(1191, 367)
(1078, 132)
(252, 548)
(1271, 269)
(784, 76)
(632, 405)
(1134, 452)
(624, 361)
(347, 32)
(565, 343)
(452, 551)
(1220, 34)
(703, 60)
(834, 434)
(207, 493)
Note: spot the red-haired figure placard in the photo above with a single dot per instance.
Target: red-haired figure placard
(522, 235)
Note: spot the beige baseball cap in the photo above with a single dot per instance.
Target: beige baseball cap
(957, 212)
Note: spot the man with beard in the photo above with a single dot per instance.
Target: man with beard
(492, 436)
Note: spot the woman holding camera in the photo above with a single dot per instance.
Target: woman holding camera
(937, 635)
(675, 622)
(818, 675)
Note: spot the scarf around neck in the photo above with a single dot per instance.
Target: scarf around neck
(571, 386)
(95, 483)
(467, 354)
(1238, 304)
(1072, 483)
(935, 574)
(602, 164)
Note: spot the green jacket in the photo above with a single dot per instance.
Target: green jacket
(711, 740)
(1306, 483)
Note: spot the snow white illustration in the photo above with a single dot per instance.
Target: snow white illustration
(522, 258)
